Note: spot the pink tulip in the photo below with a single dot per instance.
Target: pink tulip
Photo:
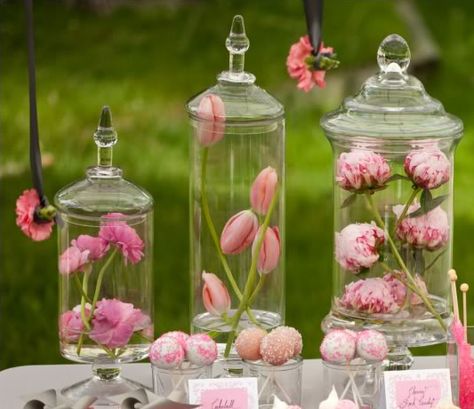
(211, 112)
(73, 260)
(239, 232)
(26, 206)
(215, 295)
(428, 168)
(270, 250)
(263, 190)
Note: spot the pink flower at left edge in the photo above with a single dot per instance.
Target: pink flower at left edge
(114, 323)
(71, 325)
(118, 233)
(211, 113)
(73, 260)
(26, 206)
(299, 69)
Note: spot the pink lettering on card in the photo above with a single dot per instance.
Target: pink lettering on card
(419, 394)
(231, 398)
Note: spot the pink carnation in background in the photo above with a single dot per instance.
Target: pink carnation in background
(429, 231)
(300, 69)
(429, 168)
(361, 169)
(120, 234)
(357, 246)
(73, 260)
(114, 322)
(26, 206)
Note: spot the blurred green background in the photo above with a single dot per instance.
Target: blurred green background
(145, 59)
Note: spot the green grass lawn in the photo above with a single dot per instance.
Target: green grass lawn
(145, 63)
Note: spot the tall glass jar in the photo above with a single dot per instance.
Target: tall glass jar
(393, 150)
(105, 270)
(237, 186)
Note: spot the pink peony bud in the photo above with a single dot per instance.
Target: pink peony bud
(399, 290)
(429, 231)
(215, 295)
(211, 111)
(73, 260)
(360, 170)
(270, 250)
(239, 232)
(428, 168)
(263, 190)
(357, 246)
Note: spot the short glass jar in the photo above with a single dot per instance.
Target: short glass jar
(283, 381)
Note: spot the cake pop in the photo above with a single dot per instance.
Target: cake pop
(248, 343)
(180, 336)
(338, 346)
(277, 348)
(294, 335)
(372, 345)
(201, 349)
(166, 353)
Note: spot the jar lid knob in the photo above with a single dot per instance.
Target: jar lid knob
(393, 54)
(105, 137)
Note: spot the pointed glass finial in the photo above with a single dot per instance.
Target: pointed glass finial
(105, 138)
(393, 54)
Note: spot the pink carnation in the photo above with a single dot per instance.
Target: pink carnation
(399, 290)
(71, 325)
(96, 246)
(73, 260)
(371, 296)
(120, 234)
(357, 246)
(428, 168)
(300, 69)
(360, 170)
(114, 323)
(429, 231)
(26, 206)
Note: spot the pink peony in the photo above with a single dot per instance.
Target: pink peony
(357, 246)
(96, 246)
(71, 325)
(211, 111)
(429, 168)
(429, 231)
(26, 206)
(360, 170)
(399, 290)
(115, 322)
(73, 260)
(269, 251)
(120, 234)
(299, 67)
(263, 189)
(371, 296)
(215, 295)
(239, 232)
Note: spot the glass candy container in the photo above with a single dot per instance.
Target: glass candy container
(393, 150)
(237, 191)
(105, 271)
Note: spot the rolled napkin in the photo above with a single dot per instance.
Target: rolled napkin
(144, 399)
(50, 400)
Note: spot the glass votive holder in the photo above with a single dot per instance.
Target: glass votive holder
(283, 381)
(359, 382)
(231, 367)
(173, 383)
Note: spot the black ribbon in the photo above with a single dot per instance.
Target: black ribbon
(35, 153)
(314, 19)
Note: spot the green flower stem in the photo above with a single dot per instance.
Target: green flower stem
(412, 197)
(212, 228)
(78, 283)
(410, 280)
(248, 292)
(260, 284)
(84, 318)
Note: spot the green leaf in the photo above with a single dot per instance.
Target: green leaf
(427, 203)
(349, 200)
(397, 176)
(426, 197)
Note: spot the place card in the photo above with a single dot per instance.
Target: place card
(417, 389)
(224, 393)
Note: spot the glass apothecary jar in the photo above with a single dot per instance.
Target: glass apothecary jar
(105, 246)
(237, 149)
(393, 150)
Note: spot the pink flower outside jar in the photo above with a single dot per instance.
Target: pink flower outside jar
(393, 150)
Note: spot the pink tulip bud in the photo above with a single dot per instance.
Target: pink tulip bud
(239, 232)
(269, 251)
(263, 189)
(212, 116)
(215, 295)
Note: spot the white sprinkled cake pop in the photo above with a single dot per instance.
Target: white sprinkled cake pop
(201, 349)
(338, 345)
(372, 345)
(179, 336)
(277, 348)
(295, 337)
(166, 353)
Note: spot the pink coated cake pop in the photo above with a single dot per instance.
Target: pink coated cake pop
(372, 345)
(277, 348)
(294, 335)
(339, 345)
(248, 343)
(346, 404)
(179, 336)
(201, 349)
(166, 353)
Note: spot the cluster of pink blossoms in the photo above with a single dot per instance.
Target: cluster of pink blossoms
(86, 249)
(26, 206)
